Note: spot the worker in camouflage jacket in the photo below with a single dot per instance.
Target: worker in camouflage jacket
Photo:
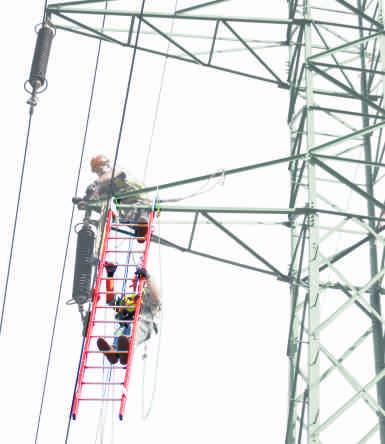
(122, 183)
(125, 306)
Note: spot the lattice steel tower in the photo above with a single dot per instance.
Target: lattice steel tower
(335, 79)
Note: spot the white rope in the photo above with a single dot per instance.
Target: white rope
(157, 107)
(100, 429)
(146, 412)
(202, 189)
(113, 414)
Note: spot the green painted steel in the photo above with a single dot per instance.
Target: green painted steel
(335, 81)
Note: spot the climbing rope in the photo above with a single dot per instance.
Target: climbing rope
(146, 412)
(157, 107)
(100, 429)
(202, 189)
(105, 389)
(205, 188)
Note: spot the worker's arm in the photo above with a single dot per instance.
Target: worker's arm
(110, 293)
(110, 268)
(153, 290)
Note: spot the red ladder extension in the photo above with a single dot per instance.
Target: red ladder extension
(88, 368)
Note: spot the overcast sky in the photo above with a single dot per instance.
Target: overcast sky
(223, 372)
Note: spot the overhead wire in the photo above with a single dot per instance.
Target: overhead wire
(109, 197)
(68, 240)
(73, 395)
(45, 10)
(124, 110)
(146, 412)
(201, 190)
(10, 258)
(123, 117)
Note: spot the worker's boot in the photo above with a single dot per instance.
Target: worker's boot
(123, 348)
(141, 230)
(110, 268)
(108, 351)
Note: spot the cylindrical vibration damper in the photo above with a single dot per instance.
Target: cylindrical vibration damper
(83, 265)
(40, 57)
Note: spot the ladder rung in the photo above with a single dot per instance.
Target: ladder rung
(125, 251)
(108, 351)
(100, 399)
(127, 238)
(126, 265)
(102, 336)
(129, 225)
(112, 306)
(112, 322)
(103, 367)
(115, 279)
(102, 383)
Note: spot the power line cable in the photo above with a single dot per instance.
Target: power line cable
(45, 10)
(10, 258)
(108, 199)
(69, 235)
(73, 395)
(128, 89)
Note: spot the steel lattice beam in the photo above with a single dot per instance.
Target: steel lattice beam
(335, 80)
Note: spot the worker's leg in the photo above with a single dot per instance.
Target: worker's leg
(121, 342)
(142, 228)
(143, 332)
(123, 347)
(136, 216)
(108, 351)
(110, 292)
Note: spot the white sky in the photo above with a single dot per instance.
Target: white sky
(223, 371)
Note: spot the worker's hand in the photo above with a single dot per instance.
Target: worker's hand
(79, 202)
(121, 175)
(90, 191)
(142, 272)
(110, 268)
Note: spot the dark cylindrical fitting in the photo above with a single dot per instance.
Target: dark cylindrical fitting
(83, 265)
(40, 57)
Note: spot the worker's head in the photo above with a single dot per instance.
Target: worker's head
(100, 164)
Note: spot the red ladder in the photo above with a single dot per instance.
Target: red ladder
(89, 366)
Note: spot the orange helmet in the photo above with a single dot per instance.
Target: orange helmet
(99, 161)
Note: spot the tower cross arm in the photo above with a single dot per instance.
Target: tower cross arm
(206, 40)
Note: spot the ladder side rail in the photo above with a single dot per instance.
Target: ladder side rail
(95, 299)
(135, 322)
